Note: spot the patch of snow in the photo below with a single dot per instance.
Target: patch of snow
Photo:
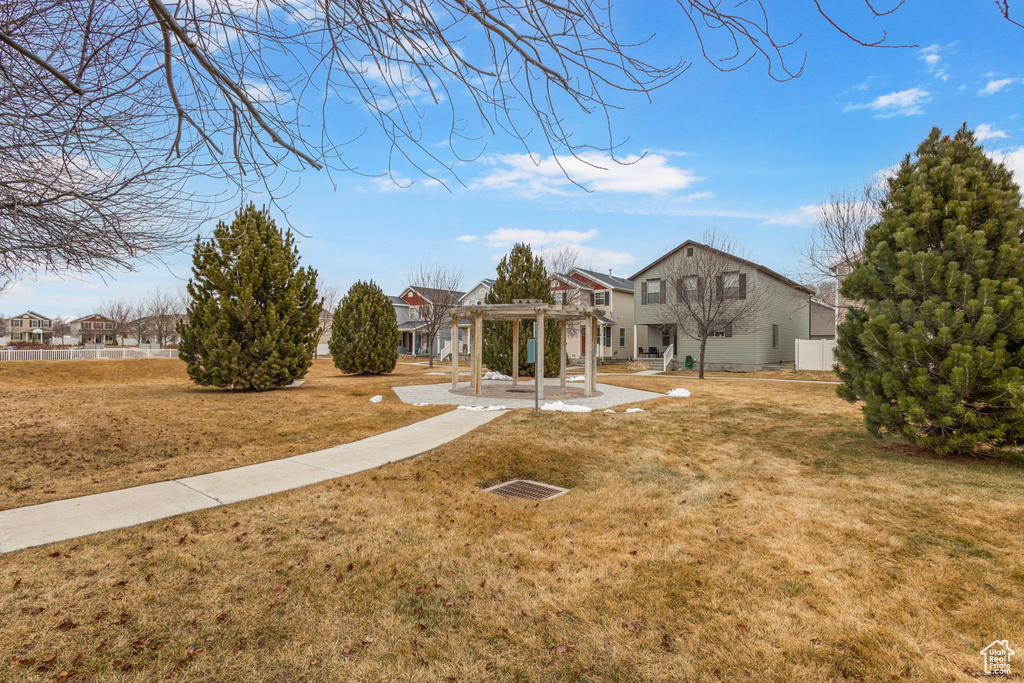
(575, 378)
(376, 399)
(421, 404)
(609, 411)
(482, 408)
(635, 410)
(679, 393)
(491, 374)
(560, 407)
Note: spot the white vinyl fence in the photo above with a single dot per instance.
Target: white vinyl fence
(84, 354)
(815, 354)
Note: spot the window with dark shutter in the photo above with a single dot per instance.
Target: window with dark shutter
(775, 336)
(728, 330)
(743, 286)
(661, 288)
(622, 337)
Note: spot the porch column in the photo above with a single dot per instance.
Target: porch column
(515, 353)
(455, 353)
(538, 367)
(413, 348)
(636, 341)
(478, 364)
(561, 351)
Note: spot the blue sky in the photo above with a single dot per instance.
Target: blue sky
(736, 151)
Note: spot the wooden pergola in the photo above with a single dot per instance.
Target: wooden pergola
(516, 312)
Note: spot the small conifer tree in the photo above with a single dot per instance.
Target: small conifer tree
(253, 317)
(364, 334)
(521, 275)
(937, 350)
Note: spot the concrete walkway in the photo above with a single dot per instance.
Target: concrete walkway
(63, 519)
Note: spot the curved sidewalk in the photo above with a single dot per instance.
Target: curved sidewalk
(73, 517)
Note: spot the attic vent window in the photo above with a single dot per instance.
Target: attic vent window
(527, 490)
(689, 251)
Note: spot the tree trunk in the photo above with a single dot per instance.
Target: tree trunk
(700, 367)
(430, 350)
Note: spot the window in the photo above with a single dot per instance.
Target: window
(731, 288)
(86, 326)
(723, 331)
(689, 251)
(775, 336)
(651, 293)
(622, 337)
(688, 290)
(16, 322)
(600, 298)
(560, 298)
(608, 337)
(666, 337)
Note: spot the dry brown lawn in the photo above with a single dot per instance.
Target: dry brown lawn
(815, 375)
(750, 532)
(72, 428)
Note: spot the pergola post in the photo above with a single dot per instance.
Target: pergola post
(590, 363)
(561, 352)
(455, 353)
(636, 342)
(472, 354)
(515, 353)
(478, 343)
(538, 367)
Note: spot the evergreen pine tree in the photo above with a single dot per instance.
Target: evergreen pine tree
(521, 275)
(937, 351)
(253, 318)
(364, 334)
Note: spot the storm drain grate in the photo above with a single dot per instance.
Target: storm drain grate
(526, 489)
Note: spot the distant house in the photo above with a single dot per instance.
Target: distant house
(31, 326)
(154, 331)
(787, 316)
(823, 321)
(413, 331)
(614, 294)
(326, 323)
(478, 294)
(93, 329)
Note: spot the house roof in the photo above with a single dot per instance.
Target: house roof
(486, 282)
(398, 301)
(606, 279)
(756, 266)
(431, 293)
(90, 315)
(32, 314)
(411, 325)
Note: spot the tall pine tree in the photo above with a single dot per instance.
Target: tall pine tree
(521, 275)
(364, 334)
(253, 320)
(937, 351)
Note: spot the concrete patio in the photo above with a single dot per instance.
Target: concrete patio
(608, 396)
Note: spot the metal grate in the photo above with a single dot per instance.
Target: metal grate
(526, 489)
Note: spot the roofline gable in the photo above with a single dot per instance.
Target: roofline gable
(756, 266)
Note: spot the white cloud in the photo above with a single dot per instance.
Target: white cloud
(650, 174)
(1013, 159)
(506, 237)
(930, 56)
(805, 215)
(902, 103)
(466, 238)
(985, 132)
(598, 259)
(995, 86)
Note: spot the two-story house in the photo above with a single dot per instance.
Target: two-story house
(93, 329)
(768, 338)
(614, 294)
(478, 294)
(425, 304)
(31, 326)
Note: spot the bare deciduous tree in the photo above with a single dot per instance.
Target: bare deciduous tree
(709, 293)
(120, 312)
(162, 309)
(108, 110)
(438, 288)
(836, 242)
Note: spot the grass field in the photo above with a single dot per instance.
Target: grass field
(750, 532)
(78, 427)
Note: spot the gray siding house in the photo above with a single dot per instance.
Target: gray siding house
(786, 316)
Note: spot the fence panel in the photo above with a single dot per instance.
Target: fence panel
(815, 354)
(85, 354)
